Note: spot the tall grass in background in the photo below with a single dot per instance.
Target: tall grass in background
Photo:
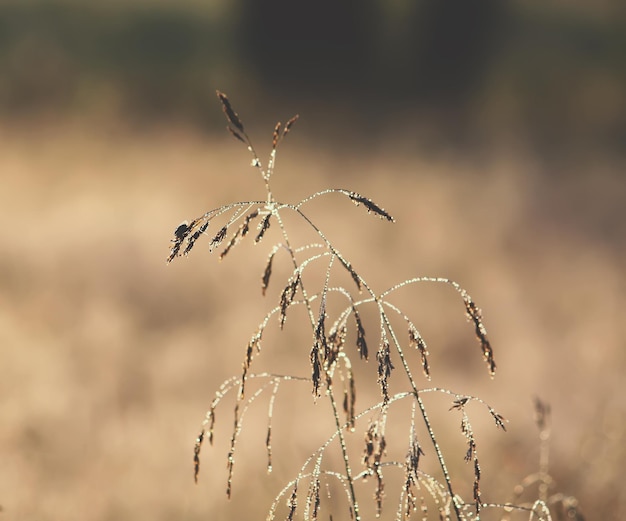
(380, 472)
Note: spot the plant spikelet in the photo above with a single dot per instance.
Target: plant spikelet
(287, 297)
(191, 241)
(180, 234)
(416, 341)
(231, 115)
(276, 136)
(481, 333)
(263, 227)
(360, 335)
(267, 273)
(219, 237)
(384, 368)
(196, 455)
(289, 124)
(370, 205)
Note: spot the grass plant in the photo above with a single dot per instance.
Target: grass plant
(346, 322)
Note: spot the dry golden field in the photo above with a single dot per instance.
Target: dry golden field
(110, 357)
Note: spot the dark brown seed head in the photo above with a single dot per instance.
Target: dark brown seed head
(196, 455)
(316, 367)
(481, 333)
(360, 335)
(384, 368)
(287, 296)
(182, 230)
(219, 237)
(231, 115)
(289, 124)
(276, 136)
(370, 205)
(263, 227)
(265, 280)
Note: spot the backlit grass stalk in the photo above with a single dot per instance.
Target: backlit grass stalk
(329, 361)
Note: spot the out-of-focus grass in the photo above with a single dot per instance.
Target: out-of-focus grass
(110, 357)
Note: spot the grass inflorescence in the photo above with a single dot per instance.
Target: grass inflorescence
(339, 333)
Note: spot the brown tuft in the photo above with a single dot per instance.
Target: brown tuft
(336, 341)
(353, 273)
(263, 227)
(349, 401)
(233, 240)
(471, 450)
(289, 124)
(231, 453)
(321, 348)
(182, 230)
(191, 241)
(293, 503)
(276, 136)
(180, 234)
(416, 341)
(317, 500)
(499, 419)
(459, 403)
(174, 250)
(316, 367)
(384, 368)
(267, 273)
(268, 446)
(360, 335)
(370, 205)
(254, 345)
(219, 237)
(413, 457)
(481, 333)
(320, 330)
(231, 115)
(245, 227)
(477, 496)
(375, 446)
(211, 416)
(375, 449)
(241, 232)
(196, 455)
(287, 297)
(337, 337)
(379, 494)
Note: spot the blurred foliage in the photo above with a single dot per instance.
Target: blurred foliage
(145, 62)
(553, 73)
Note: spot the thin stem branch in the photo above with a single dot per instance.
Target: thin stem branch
(329, 393)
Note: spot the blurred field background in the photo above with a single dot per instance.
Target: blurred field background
(493, 132)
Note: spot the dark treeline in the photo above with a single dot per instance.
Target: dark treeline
(456, 63)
